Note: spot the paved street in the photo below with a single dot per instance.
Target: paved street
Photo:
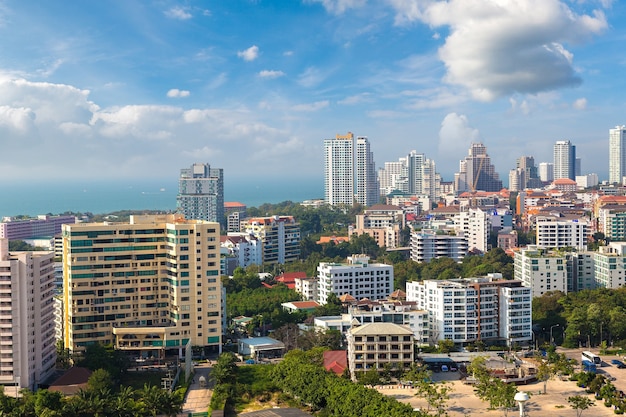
(198, 398)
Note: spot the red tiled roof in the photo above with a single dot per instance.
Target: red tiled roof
(336, 361)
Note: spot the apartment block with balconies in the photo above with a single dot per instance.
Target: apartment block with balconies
(376, 345)
(145, 286)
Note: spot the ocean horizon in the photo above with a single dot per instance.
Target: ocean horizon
(99, 197)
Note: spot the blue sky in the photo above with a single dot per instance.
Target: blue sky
(114, 89)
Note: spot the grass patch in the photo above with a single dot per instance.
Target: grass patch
(137, 380)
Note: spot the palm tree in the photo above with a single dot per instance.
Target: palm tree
(173, 403)
(153, 399)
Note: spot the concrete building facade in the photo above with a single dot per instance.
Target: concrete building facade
(472, 309)
(426, 246)
(145, 286)
(27, 317)
(201, 193)
(279, 236)
(357, 277)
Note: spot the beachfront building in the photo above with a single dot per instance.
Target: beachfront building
(377, 345)
(279, 237)
(27, 320)
(467, 310)
(43, 226)
(144, 286)
(357, 277)
(201, 193)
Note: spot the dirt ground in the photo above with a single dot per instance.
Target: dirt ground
(464, 403)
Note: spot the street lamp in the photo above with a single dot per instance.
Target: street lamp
(521, 397)
(552, 337)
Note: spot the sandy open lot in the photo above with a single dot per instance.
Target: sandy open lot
(463, 402)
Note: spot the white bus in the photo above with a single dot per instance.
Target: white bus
(591, 357)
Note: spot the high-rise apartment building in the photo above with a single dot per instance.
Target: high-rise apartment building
(27, 317)
(429, 245)
(144, 286)
(279, 237)
(201, 193)
(349, 171)
(414, 174)
(617, 154)
(564, 160)
(476, 172)
(546, 172)
(367, 189)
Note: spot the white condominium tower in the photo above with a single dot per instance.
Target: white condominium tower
(201, 193)
(144, 286)
(349, 171)
(617, 154)
(27, 327)
(564, 160)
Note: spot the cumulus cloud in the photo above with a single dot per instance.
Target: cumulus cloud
(179, 13)
(63, 124)
(580, 104)
(522, 106)
(176, 93)
(271, 74)
(456, 134)
(249, 54)
(498, 48)
(311, 107)
(339, 6)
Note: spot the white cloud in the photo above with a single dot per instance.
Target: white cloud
(356, 99)
(523, 106)
(339, 6)
(498, 48)
(288, 53)
(580, 104)
(19, 119)
(271, 74)
(178, 12)
(249, 54)
(456, 135)
(311, 107)
(176, 93)
(310, 77)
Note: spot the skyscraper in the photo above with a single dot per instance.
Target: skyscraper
(617, 154)
(367, 189)
(349, 171)
(201, 193)
(476, 172)
(564, 160)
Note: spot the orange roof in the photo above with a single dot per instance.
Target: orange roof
(305, 304)
(334, 239)
(564, 181)
(233, 204)
(346, 298)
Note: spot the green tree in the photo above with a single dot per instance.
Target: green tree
(545, 372)
(225, 369)
(580, 404)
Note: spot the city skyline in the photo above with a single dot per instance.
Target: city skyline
(123, 89)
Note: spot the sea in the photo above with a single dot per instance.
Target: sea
(98, 197)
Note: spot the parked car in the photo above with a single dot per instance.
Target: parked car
(618, 363)
(444, 368)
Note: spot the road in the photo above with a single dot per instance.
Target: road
(198, 398)
(606, 369)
